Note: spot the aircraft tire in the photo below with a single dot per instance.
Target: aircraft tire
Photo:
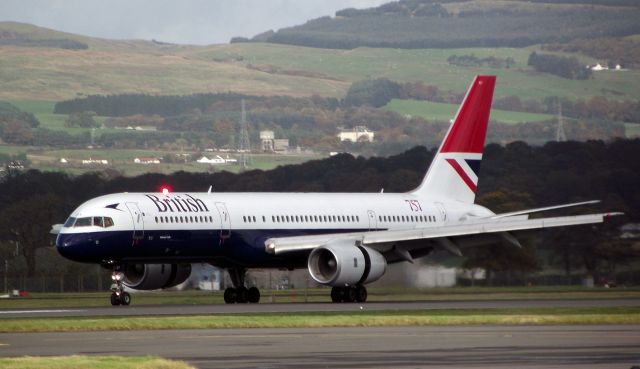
(230, 296)
(125, 299)
(350, 294)
(254, 295)
(242, 295)
(361, 293)
(115, 300)
(337, 294)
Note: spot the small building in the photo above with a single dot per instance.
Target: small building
(281, 145)
(357, 134)
(272, 144)
(267, 137)
(217, 160)
(64, 161)
(146, 160)
(599, 67)
(15, 165)
(92, 161)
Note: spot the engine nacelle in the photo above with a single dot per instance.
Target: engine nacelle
(344, 263)
(155, 276)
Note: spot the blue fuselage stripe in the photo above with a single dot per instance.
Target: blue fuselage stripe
(241, 247)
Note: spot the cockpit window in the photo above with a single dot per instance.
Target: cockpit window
(89, 221)
(69, 222)
(97, 221)
(83, 222)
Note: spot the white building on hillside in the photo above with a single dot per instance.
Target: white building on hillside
(357, 134)
(217, 160)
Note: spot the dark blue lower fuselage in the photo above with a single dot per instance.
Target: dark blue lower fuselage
(243, 248)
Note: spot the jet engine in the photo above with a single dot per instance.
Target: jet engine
(155, 276)
(344, 263)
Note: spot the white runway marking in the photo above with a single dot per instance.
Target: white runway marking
(38, 311)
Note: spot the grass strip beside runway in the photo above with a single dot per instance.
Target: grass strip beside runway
(86, 362)
(358, 318)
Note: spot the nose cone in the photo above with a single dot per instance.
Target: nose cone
(76, 247)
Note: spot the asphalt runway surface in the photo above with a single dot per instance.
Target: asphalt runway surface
(582, 347)
(136, 310)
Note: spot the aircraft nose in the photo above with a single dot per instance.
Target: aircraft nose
(74, 247)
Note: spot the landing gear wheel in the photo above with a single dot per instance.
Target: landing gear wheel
(115, 299)
(254, 295)
(125, 299)
(230, 296)
(118, 296)
(242, 295)
(337, 294)
(361, 294)
(349, 294)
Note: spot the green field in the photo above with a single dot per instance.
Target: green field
(445, 112)
(360, 316)
(632, 130)
(111, 67)
(429, 66)
(357, 318)
(88, 362)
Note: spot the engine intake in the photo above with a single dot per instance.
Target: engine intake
(155, 276)
(344, 263)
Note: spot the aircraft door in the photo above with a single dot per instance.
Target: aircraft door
(373, 222)
(442, 210)
(138, 222)
(225, 221)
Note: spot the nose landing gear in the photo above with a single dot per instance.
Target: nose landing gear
(118, 295)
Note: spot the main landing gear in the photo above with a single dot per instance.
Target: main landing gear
(349, 294)
(239, 293)
(118, 295)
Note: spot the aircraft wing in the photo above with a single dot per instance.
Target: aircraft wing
(476, 227)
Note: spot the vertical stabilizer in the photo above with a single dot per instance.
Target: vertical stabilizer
(453, 174)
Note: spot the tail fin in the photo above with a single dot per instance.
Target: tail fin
(453, 174)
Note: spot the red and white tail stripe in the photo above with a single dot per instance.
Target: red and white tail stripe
(453, 174)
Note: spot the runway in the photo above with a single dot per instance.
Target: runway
(393, 347)
(137, 310)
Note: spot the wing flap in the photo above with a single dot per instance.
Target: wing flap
(372, 238)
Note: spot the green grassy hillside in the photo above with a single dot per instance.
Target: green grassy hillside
(445, 112)
(110, 67)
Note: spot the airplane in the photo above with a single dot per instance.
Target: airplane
(345, 240)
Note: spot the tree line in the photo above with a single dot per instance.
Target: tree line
(565, 67)
(513, 177)
(428, 24)
(612, 51)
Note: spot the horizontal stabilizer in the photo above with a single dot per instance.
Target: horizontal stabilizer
(546, 208)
